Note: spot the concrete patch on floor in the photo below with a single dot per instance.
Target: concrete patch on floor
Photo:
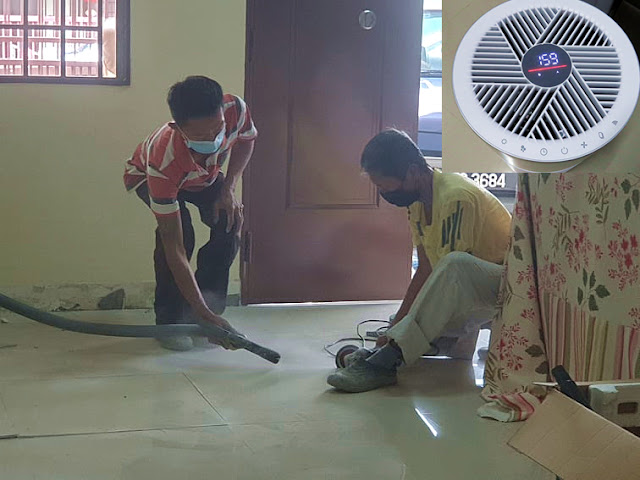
(83, 296)
(113, 301)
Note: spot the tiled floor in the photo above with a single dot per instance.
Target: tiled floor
(84, 407)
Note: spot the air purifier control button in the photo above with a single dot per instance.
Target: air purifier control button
(564, 150)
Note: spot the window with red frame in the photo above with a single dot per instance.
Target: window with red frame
(64, 41)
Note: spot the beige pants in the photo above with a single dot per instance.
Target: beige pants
(459, 296)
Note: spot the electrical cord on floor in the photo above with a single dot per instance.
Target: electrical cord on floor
(361, 338)
(346, 339)
(379, 331)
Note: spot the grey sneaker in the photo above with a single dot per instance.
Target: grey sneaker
(362, 353)
(361, 376)
(182, 343)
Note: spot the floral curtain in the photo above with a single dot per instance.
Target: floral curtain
(570, 292)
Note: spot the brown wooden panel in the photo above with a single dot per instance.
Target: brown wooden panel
(319, 87)
(329, 72)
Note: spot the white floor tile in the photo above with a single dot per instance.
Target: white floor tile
(278, 421)
(202, 453)
(105, 404)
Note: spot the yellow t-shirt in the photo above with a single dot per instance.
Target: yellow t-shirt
(465, 218)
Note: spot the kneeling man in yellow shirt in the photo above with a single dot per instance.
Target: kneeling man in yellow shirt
(461, 232)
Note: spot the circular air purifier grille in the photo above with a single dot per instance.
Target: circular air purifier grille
(546, 81)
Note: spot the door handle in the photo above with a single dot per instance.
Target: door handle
(367, 19)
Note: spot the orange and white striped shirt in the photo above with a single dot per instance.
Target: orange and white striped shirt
(165, 162)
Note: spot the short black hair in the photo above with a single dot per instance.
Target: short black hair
(390, 154)
(194, 97)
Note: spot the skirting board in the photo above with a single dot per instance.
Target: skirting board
(77, 297)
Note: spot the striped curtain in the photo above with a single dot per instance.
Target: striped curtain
(570, 294)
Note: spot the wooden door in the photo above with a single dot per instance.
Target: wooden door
(320, 83)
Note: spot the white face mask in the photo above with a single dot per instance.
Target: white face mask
(206, 147)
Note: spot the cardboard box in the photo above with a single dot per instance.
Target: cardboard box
(577, 444)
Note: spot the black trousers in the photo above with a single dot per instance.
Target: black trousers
(213, 261)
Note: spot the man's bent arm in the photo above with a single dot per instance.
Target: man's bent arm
(170, 228)
(240, 155)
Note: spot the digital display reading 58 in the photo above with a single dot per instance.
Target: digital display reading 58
(546, 65)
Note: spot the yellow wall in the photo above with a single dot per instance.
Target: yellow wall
(64, 214)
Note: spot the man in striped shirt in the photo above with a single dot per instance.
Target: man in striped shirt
(181, 163)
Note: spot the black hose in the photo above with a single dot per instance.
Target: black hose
(138, 331)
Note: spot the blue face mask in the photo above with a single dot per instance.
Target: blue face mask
(206, 147)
